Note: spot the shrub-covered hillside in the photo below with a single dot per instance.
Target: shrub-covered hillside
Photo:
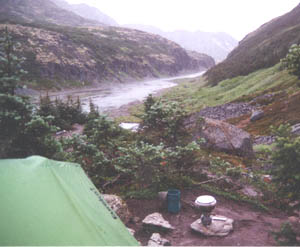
(260, 49)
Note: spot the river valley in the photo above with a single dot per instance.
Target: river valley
(113, 96)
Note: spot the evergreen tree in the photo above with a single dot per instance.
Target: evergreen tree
(11, 71)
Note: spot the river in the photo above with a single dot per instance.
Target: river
(117, 95)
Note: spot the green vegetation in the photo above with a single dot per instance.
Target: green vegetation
(292, 60)
(10, 65)
(286, 160)
(286, 236)
(195, 95)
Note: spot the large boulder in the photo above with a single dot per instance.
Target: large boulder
(221, 136)
(119, 207)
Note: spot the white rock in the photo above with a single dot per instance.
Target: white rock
(157, 220)
(132, 232)
(130, 126)
(220, 226)
(118, 206)
(157, 240)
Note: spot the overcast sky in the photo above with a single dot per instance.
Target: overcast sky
(235, 17)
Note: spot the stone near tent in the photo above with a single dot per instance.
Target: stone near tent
(251, 192)
(156, 221)
(256, 115)
(132, 232)
(157, 240)
(296, 129)
(221, 136)
(119, 207)
(220, 226)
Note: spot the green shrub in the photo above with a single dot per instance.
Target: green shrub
(93, 160)
(156, 165)
(286, 236)
(24, 132)
(65, 113)
(292, 60)
(165, 120)
(286, 161)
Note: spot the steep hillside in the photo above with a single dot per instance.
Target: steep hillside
(87, 12)
(43, 11)
(217, 45)
(62, 55)
(260, 49)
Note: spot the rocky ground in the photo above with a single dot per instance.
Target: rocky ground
(251, 227)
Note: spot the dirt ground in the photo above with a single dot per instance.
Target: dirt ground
(251, 227)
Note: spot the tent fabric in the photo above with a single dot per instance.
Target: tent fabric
(46, 203)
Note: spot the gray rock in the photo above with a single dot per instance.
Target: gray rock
(119, 207)
(222, 136)
(251, 192)
(157, 240)
(220, 226)
(256, 115)
(226, 111)
(157, 221)
(266, 140)
(296, 129)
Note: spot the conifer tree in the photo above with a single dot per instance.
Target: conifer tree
(11, 71)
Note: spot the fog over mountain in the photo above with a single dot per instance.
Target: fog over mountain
(218, 45)
(86, 11)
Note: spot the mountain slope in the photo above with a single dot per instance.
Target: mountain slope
(217, 45)
(64, 55)
(260, 49)
(87, 12)
(44, 11)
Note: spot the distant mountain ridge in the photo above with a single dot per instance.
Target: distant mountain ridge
(217, 45)
(262, 48)
(41, 11)
(71, 54)
(87, 12)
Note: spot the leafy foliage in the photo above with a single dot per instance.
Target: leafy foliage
(292, 60)
(286, 236)
(165, 118)
(156, 165)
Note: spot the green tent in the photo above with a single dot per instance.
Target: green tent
(45, 202)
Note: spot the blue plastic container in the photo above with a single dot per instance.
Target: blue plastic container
(173, 200)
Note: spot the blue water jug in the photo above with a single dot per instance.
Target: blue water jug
(173, 199)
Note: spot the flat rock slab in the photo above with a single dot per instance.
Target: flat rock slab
(157, 240)
(157, 221)
(220, 226)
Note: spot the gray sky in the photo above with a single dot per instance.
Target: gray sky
(235, 17)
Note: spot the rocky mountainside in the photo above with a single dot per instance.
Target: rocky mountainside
(87, 12)
(217, 45)
(40, 11)
(260, 49)
(60, 55)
